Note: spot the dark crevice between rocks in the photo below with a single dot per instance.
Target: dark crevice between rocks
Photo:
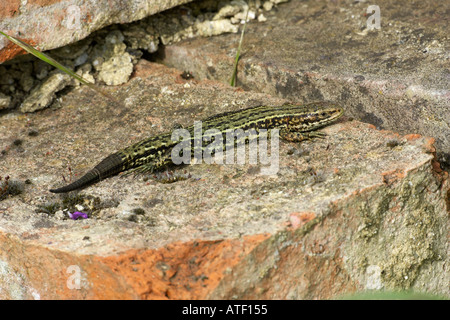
(158, 56)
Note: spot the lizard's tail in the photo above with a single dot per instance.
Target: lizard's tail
(109, 166)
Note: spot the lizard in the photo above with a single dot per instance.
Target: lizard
(295, 122)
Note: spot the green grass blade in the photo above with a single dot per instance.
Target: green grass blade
(236, 60)
(45, 58)
(30, 49)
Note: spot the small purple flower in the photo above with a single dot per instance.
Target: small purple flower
(77, 215)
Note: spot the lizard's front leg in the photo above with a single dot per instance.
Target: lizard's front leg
(296, 136)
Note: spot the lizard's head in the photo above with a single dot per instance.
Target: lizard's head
(314, 115)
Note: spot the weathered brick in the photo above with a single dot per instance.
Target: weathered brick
(9, 8)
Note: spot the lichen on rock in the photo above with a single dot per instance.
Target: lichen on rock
(115, 67)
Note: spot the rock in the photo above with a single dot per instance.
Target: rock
(142, 36)
(216, 27)
(367, 210)
(41, 69)
(268, 5)
(72, 51)
(6, 77)
(116, 70)
(115, 65)
(261, 18)
(4, 101)
(85, 72)
(43, 95)
(230, 10)
(60, 215)
(26, 81)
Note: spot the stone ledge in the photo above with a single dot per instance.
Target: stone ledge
(362, 209)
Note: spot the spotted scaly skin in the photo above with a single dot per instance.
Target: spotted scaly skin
(296, 123)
